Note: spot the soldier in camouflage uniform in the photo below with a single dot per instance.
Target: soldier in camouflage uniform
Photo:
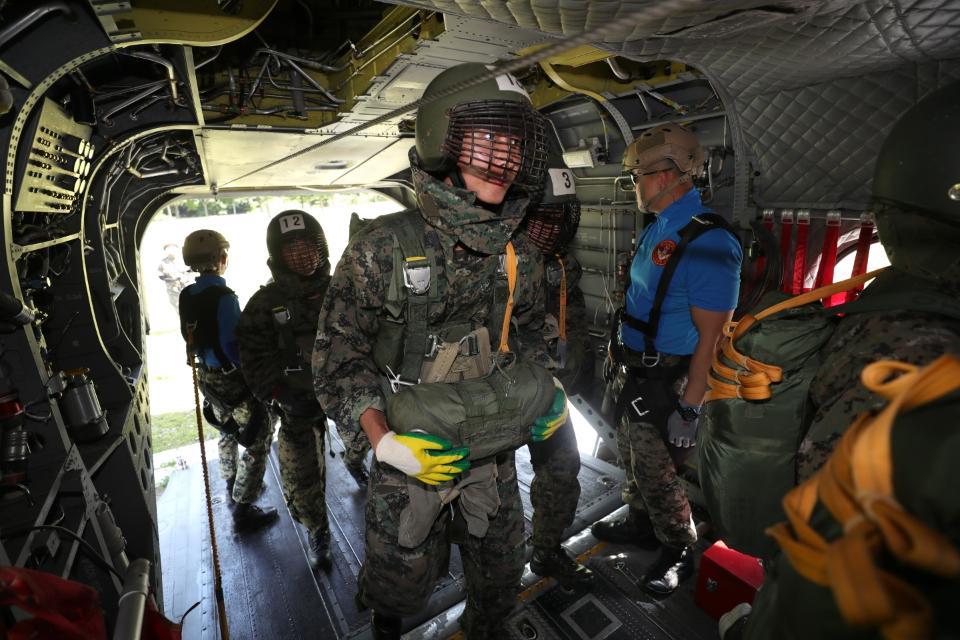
(473, 151)
(917, 222)
(209, 312)
(555, 489)
(664, 345)
(276, 334)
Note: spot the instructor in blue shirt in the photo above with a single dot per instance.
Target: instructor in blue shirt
(684, 283)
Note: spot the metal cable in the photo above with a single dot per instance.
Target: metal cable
(623, 26)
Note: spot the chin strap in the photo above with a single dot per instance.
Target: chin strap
(667, 189)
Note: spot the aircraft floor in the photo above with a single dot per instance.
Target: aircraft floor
(271, 592)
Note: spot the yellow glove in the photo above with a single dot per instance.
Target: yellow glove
(546, 426)
(426, 457)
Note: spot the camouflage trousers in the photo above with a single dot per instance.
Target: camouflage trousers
(555, 490)
(398, 581)
(650, 463)
(301, 443)
(234, 400)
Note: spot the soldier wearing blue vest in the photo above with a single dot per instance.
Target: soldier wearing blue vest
(209, 313)
(684, 283)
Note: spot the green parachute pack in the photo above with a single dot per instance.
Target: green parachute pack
(758, 409)
(490, 410)
(871, 547)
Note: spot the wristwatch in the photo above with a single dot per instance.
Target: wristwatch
(688, 413)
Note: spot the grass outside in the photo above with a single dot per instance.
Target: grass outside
(173, 430)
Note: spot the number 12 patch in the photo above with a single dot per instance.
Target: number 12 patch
(292, 222)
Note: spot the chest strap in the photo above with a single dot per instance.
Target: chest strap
(697, 226)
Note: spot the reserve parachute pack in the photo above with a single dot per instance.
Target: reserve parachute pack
(871, 546)
(757, 410)
(464, 392)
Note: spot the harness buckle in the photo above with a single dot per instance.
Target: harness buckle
(396, 382)
(633, 403)
(433, 345)
(469, 345)
(416, 275)
(288, 370)
(650, 361)
(281, 315)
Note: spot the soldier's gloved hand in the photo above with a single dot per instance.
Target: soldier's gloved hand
(545, 426)
(426, 457)
(682, 425)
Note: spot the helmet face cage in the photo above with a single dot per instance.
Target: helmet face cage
(501, 141)
(551, 227)
(301, 255)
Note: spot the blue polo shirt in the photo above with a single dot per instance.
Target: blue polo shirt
(228, 315)
(707, 277)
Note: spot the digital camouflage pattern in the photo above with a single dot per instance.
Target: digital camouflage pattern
(280, 373)
(555, 489)
(652, 484)
(247, 469)
(466, 241)
(346, 379)
(398, 581)
(836, 392)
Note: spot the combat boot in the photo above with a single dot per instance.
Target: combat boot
(318, 551)
(247, 516)
(673, 566)
(385, 627)
(358, 473)
(635, 529)
(229, 497)
(556, 563)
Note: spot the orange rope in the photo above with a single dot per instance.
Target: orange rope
(511, 266)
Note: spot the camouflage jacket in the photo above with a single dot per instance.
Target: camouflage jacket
(579, 363)
(836, 392)
(267, 362)
(467, 241)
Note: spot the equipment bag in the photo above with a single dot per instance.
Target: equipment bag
(758, 409)
(488, 415)
(872, 543)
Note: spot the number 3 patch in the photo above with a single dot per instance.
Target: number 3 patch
(562, 181)
(292, 223)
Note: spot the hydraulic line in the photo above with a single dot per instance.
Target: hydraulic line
(627, 24)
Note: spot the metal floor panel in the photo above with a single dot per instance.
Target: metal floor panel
(269, 588)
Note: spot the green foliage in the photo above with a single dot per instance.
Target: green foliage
(172, 430)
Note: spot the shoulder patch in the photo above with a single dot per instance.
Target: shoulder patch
(662, 252)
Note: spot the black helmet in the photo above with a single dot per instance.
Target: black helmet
(291, 225)
(916, 187)
(469, 121)
(552, 222)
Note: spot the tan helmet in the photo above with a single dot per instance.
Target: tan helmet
(202, 249)
(663, 147)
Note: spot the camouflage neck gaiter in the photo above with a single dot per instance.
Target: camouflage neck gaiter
(456, 213)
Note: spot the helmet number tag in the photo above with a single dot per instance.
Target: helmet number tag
(292, 223)
(562, 182)
(507, 82)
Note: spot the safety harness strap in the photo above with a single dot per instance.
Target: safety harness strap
(697, 226)
(511, 268)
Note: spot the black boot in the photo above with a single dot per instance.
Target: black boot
(385, 627)
(635, 529)
(556, 563)
(358, 473)
(319, 550)
(672, 567)
(247, 516)
(230, 501)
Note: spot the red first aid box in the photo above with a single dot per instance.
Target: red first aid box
(726, 578)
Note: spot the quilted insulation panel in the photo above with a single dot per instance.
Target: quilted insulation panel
(811, 86)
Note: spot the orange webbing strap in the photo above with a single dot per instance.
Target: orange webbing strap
(752, 380)
(856, 487)
(217, 578)
(511, 265)
(563, 299)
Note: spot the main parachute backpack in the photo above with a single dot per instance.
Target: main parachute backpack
(757, 411)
